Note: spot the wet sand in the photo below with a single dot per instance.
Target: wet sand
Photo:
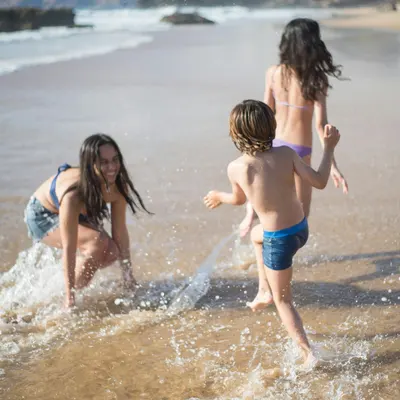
(167, 105)
(366, 18)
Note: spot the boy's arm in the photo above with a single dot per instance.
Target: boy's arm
(236, 198)
(319, 179)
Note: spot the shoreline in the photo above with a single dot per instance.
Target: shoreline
(364, 17)
(369, 18)
(167, 105)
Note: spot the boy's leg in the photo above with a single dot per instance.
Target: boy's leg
(280, 283)
(264, 297)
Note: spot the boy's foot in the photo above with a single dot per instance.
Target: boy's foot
(261, 301)
(311, 362)
(273, 373)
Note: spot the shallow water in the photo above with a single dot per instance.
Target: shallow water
(207, 345)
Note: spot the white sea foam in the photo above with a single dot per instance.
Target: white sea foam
(113, 30)
(85, 50)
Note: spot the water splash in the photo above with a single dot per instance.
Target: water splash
(36, 278)
(197, 286)
(243, 253)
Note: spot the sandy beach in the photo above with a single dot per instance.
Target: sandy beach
(365, 18)
(167, 104)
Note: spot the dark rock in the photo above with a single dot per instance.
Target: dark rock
(17, 19)
(179, 18)
(30, 3)
(27, 318)
(55, 17)
(200, 3)
(80, 26)
(9, 317)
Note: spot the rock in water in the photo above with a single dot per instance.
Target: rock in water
(29, 18)
(27, 318)
(179, 18)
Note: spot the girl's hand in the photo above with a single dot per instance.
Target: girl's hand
(212, 199)
(339, 179)
(130, 283)
(69, 301)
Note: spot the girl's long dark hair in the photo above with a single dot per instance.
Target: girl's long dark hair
(89, 184)
(303, 51)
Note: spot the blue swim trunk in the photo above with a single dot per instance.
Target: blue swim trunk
(39, 220)
(279, 247)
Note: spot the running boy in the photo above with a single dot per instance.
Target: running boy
(265, 176)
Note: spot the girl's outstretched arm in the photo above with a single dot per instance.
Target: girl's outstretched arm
(121, 237)
(69, 215)
(321, 119)
(269, 91)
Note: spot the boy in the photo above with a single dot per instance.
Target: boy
(265, 176)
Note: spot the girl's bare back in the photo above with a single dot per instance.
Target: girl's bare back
(293, 113)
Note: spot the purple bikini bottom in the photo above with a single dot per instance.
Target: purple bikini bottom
(302, 151)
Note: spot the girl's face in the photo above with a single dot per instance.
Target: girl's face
(109, 163)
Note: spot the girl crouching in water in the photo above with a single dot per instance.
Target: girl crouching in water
(68, 209)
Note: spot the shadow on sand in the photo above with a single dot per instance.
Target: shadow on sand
(234, 294)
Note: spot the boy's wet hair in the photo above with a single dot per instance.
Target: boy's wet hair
(252, 127)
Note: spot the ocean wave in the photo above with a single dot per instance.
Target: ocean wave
(149, 20)
(11, 65)
(115, 29)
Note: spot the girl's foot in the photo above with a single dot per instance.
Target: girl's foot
(246, 265)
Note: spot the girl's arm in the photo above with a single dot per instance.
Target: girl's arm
(120, 236)
(268, 93)
(69, 217)
(321, 116)
(321, 119)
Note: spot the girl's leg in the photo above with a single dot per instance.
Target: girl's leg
(280, 283)
(264, 297)
(304, 190)
(97, 250)
(246, 224)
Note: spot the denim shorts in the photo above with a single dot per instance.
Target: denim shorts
(39, 220)
(279, 247)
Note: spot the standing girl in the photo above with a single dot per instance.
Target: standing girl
(295, 90)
